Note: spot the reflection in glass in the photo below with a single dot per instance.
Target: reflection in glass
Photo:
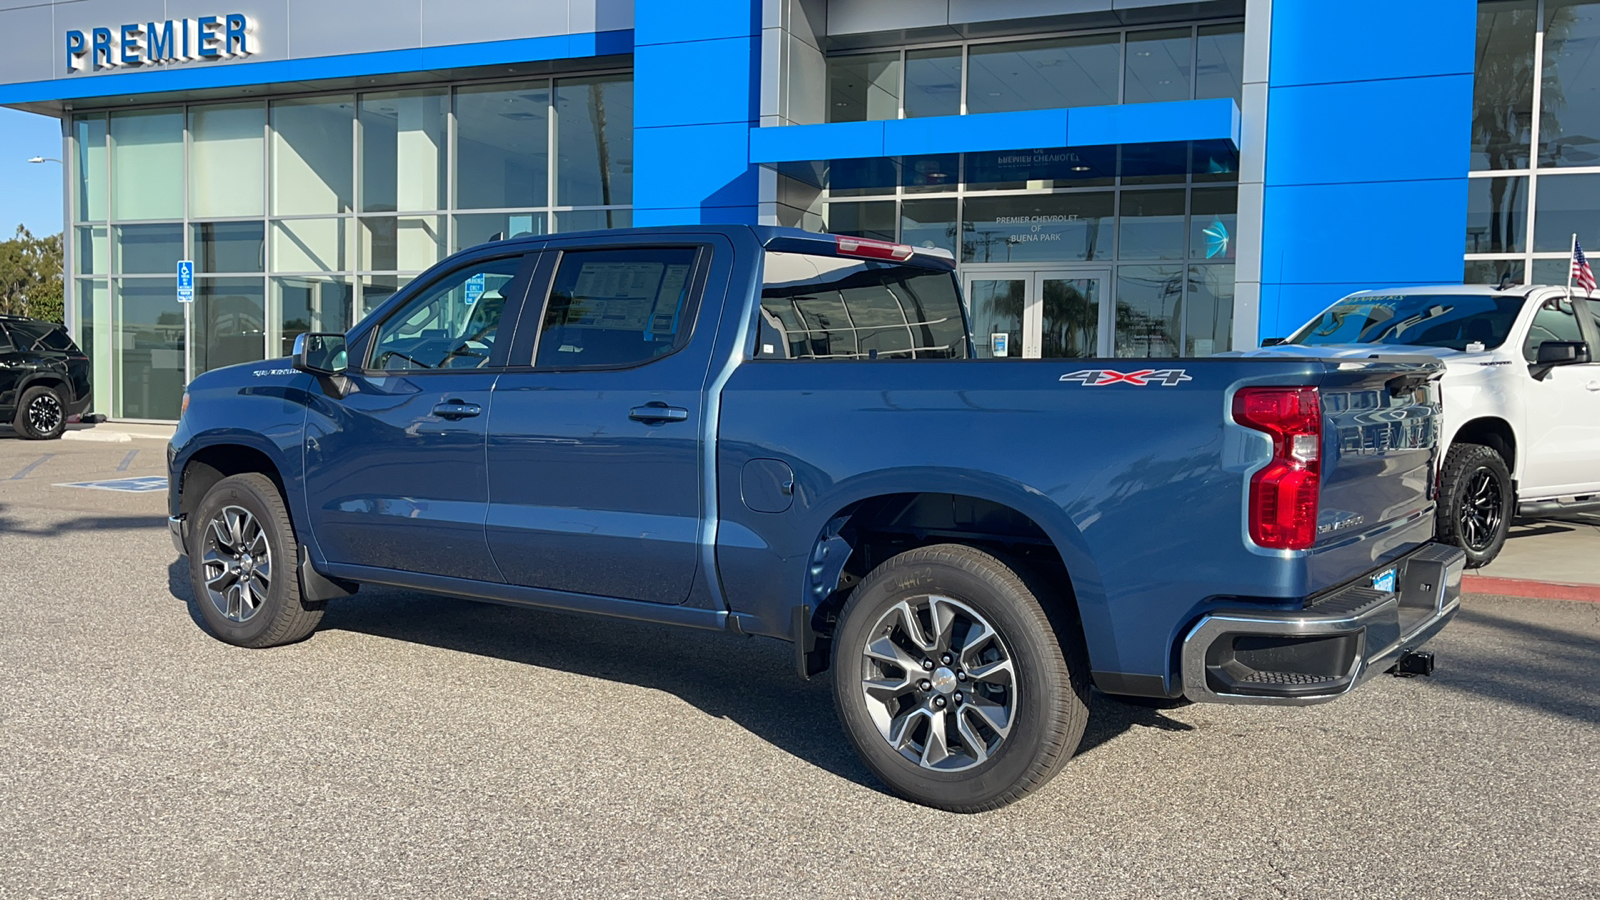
(403, 158)
(313, 245)
(228, 246)
(593, 219)
(1158, 66)
(1046, 227)
(1213, 223)
(149, 349)
(311, 156)
(147, 164)
(996, 306)
(1502, 87)
(1041, 170)
(1498, 271)
(230, 322)
(311, 304)
(930, 174)
(1553, 271)
(480, 228)
(869, 220)
(933, 82)
(1208, 327)
(1155, 163)
(152, 249)
(1497, 214)
(1048, 74)
(503, 145)
(375, 289)
(1568, 205)
(1151, 225)
(1149, 311)
(93, 249)
(862, 177)
(227, 145)
(1219, 61)
(1071, 310)
(89, 162)
(401, 243)
(864, 88)
(929, 223)
(95, 336)
(1569, 115)
(594, 141)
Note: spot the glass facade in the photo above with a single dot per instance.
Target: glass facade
(305, 213)
(1162, 237)
(1535, 153)
(1003, 75)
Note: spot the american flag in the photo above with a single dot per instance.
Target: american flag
(1582, 275)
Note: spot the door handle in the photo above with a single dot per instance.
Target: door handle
(455, 409)
(1593, 385)
(658, 412)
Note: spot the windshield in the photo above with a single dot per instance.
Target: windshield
(1421, 320)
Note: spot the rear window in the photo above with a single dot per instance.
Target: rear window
(42, 336)
(823, 307)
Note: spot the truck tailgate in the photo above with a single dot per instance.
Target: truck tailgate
(1381, 417)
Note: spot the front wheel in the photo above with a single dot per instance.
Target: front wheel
(242, 555)
(1476, 502)
(41, 414)
(952, 682)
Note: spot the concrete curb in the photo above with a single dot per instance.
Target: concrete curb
(1534, 590)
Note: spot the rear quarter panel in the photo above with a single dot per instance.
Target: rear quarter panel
(1141, 488)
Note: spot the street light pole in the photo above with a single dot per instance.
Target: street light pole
(43, 159)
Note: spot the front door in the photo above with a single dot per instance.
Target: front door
(395, 470)
(1563, 424)
(595, 456)
(1039, 313)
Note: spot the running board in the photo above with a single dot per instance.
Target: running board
(1537, 508)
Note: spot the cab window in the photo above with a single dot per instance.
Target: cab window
(452, 324)
(611, 308)
(1555, 321)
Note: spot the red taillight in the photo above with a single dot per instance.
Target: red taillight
(1284, 495)
(872, 249)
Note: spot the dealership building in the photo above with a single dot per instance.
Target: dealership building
(1130, 178)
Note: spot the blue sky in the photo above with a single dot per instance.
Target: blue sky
(30, 193)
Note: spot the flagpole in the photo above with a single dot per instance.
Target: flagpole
(1572, 257)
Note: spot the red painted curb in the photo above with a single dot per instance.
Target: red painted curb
(1537, 590)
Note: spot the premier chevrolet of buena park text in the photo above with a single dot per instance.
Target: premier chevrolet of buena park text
(779, 433)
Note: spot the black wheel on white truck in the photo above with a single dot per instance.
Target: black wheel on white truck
(1476, 502)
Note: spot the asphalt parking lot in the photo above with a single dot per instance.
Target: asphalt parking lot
(424, 747)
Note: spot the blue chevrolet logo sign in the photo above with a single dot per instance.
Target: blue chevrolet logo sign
(141, 44)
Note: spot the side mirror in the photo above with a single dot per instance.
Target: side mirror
(1558, 353)
(1272, 342)
(320, 354)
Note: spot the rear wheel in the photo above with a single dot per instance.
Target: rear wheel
(242, 555)
(952, 683)
(41, 414)
(1476, 502)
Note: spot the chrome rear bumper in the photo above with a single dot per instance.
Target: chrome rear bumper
(1324, 651)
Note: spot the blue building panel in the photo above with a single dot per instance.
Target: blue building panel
(803, 143)
(1370, 40)
(1153, 123)
(673, 99)
(704, 20)
(1397, 130)
(967, 134)
(720, 178)
(1381, 233)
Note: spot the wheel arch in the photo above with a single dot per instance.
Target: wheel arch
(211, 461)
(1493, 432)
(873, 520)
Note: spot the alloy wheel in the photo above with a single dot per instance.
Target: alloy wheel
(44, 413)
(939, 683)
(1482, 510)
(237, 561)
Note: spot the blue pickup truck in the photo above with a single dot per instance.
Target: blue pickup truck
(772, 432)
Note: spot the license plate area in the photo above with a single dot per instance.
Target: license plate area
(1384, 581)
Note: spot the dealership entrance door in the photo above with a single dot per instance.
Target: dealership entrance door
(1044, 313)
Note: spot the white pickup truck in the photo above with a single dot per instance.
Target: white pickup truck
(1521, 422)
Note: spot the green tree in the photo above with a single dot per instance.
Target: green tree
(30, 276)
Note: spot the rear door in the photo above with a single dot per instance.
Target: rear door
(595, 455)
(395, 475)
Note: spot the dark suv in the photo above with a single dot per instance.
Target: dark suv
(44, 377)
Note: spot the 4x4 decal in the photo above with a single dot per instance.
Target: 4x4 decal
(1141, 378)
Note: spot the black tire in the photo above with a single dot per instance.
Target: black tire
(1048, 707)
(279, 615)
(1476, 502)
(41, 413)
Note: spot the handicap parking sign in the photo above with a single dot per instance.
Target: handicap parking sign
(474, 288)
(139, 484)
(185, 281)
